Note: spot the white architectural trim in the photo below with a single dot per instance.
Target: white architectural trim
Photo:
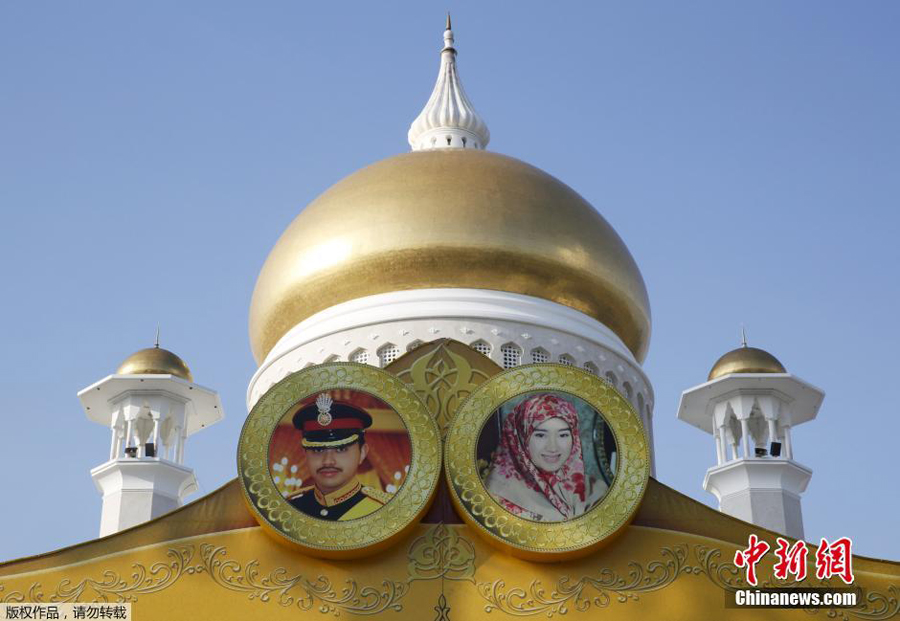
(204, 405)
(765, 492)
(137, 490)
(801, 399)
(426, 304)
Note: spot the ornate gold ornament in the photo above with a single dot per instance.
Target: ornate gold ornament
(443, 373)
(441, 553)
(112, 586)
(442, 609)
(353, 538)
(547, 541)
(597, 590)
(304, 592)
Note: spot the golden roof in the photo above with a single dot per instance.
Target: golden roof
(746, 360)
(155, 361)
(450, 218)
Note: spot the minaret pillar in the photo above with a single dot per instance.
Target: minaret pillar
(762, 485)
(138, 482)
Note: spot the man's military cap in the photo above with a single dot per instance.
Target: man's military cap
(329, 424)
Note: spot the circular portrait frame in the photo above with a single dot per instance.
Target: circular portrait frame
(361, 536)
(547, 541)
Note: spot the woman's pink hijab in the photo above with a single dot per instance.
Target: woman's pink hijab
(513, 462)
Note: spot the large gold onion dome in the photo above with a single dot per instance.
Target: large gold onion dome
(746, 360)
(155, 361)
(450, 218)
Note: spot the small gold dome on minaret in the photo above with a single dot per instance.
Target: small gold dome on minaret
(746, 359)
(155, 361)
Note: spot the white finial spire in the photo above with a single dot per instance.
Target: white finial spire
(743, 336)
(449, 119)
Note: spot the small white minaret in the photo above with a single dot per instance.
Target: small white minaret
(749, 405)
(448, 120)
(151, 406)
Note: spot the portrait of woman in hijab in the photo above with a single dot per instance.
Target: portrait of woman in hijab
(553, 460)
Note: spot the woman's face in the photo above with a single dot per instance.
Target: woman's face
(550, 444)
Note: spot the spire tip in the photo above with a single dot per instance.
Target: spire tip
(448, 121)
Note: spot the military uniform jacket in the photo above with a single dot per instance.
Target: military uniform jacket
(352, 501)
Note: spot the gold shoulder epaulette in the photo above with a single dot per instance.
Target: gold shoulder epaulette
(300, 492)
(377, 494)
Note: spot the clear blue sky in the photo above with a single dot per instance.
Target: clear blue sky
(151, 154)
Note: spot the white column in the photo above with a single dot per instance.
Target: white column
(179, 445)
(155, 436)
(773, 434)
(745, 438)
(129, 427)
(113, 443)
(116, 448)
(788, 448)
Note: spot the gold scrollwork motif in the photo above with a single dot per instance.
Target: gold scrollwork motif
(443, 379)
(726, 575)
(442, 609)
(580, 595)
(143, 581)
(547, 540)
(297, 590)
(878, 605)
(362, 535)
(11, 597)
(441, 553)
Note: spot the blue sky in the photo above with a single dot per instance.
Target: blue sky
(152, 153)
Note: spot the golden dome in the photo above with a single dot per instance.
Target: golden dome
(443, 219)
(746, 360)
(155, 361)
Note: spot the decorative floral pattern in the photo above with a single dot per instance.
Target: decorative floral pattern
(112, 586)
(443, 379)
(298, 590)
(441, 553)
(444, 554)
(597, 591)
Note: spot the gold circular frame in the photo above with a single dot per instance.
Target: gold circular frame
(352, 538)
(547, 541)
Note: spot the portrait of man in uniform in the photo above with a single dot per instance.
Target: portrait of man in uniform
(333, 450)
